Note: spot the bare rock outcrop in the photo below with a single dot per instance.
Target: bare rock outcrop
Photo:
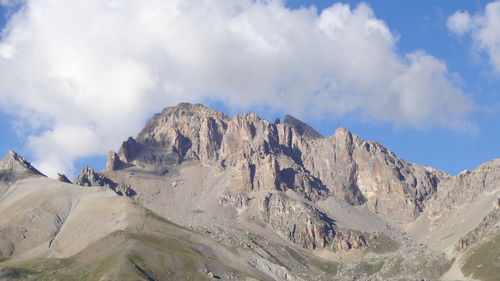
(348, 240)
(238, 201)
(14, 162)
(466, 187)
(489, 227)
(248, 147)
(364, 172)
(14, 167)
(263, 156)
(63, 178)
(183, 132)
(302, 128)
(305, 225)
(261, 187)
(297, 221)
(113, 162)
(89, 177)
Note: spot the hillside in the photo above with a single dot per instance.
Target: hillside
(199, 195)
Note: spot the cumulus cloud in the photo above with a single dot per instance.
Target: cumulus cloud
(483, 28)
(84, 74)
(459, 22)
(61, 139)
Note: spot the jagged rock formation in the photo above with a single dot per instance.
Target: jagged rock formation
(297, 221)
(489, 227)
(14, 167)
(364, 172)
(262, 156)
(89, 177)
(346, 241)
(467, 186)
(302, 128)
(14, 162)
(184, 132)
(238, 201)
(305, 225)
(276, 200)
(63, 178)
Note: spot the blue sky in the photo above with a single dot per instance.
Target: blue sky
(415, 25)
(422, 25)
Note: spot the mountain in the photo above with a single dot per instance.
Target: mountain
(199, 195)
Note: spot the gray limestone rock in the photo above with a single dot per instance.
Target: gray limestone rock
(63, 178)
(264, 156)
(364, 172)
(88, 177)
(13, 167)
(297, 221)
(305, 225)
(302, 128)
(114, 162)
(16, 163)
(466, 187)
(268, 189)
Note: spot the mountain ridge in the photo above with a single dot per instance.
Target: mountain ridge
(199, 195)
(196, 132)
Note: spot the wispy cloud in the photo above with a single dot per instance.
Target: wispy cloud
(483, 28)
(88, 72)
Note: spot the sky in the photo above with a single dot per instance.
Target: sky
(420, 77)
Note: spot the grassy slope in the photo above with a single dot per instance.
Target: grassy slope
(161, 250)
(484, 261)
(158, 249)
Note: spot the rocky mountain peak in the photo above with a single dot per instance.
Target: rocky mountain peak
(345, 137)
(63, 178)
(343, 133)
(90, 178)
(264, 188)
(185, 131)
(15, 162)
(467, 186)
(301, 127)
(256, 154)
(185, 108)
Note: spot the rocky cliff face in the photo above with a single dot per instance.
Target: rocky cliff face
(466, 186)
(14, 167)
(89, 177)
(178, 133)
(63, 178)
(305, 225)
(297, 221)
(281, 199)
(263, 156)
(364, 172)
(15, 163)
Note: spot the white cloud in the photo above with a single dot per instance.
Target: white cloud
(484, 29)
(459, 22)
(88, 72)
(58, 147)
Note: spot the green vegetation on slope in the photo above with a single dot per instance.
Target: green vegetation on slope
(329, 267)
(381, 244)
(484, 262)
(157, 250)
(369, 268)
